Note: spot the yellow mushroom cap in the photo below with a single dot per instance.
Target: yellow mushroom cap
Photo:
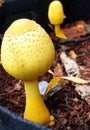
(27, 50)
(56, 12)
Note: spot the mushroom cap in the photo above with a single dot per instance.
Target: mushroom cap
(56, 12)
(27, 50)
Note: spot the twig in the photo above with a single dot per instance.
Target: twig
(66, 41)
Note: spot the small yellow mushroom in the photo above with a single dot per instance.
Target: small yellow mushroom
(56, 17)
(26, 53)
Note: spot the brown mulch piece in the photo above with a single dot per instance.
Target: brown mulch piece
(69, 110)
(75, 30)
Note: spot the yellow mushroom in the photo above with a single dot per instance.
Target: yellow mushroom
(56, 17)
(26, 53)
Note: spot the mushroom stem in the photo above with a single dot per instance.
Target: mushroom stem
(59, 32)
(36, 110)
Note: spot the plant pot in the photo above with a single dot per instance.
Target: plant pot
(11, 121)
(76, 10)
(15, 9)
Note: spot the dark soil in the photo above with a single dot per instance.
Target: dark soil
(70, 111)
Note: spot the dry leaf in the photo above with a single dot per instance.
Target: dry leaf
(84, 92)
(52, 83)
(70, 65)
(57, 83)
(76, 80)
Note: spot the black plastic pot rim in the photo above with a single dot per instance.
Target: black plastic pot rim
(12, 121)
